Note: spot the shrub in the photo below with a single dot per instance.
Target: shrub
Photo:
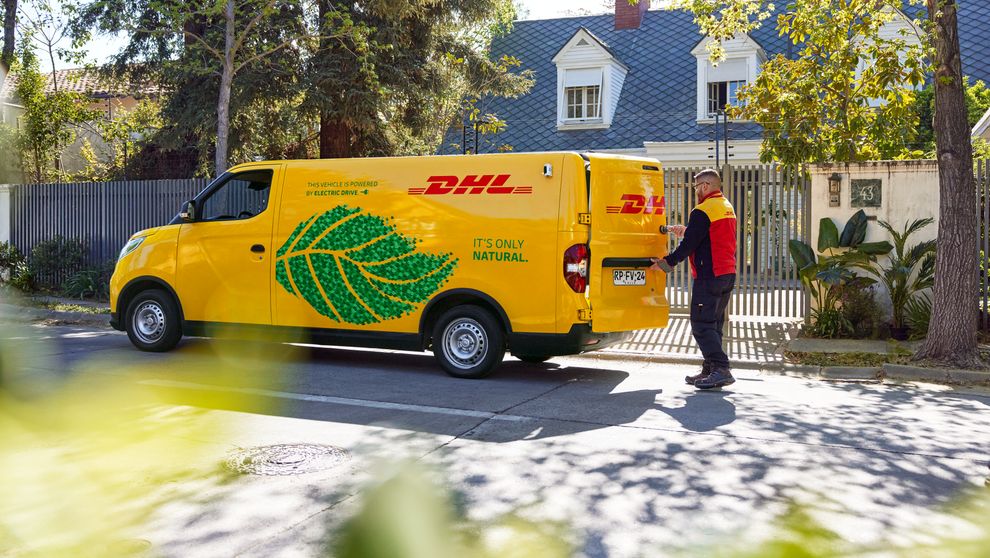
(908, 271)
(10, 260)
(829, 274)
(829, 323)
(53, 260)
(21, 278)
(92, 282)
(860, 309)
(917, 314)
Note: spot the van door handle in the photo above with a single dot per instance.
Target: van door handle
(258, 249)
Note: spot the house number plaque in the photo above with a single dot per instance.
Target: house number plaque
(866, 192)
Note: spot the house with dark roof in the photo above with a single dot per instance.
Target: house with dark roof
(639, 81)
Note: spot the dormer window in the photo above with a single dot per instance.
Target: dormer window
(719, 85)
(589, 82)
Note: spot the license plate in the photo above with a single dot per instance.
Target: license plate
(628, 277)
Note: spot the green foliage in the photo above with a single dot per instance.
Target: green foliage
(10, 260)
(847, 95)
(830, 274)
(53, 259)
(22, 278)
(211, 85)
(830, 323)
(49, 124)
(917, 315)
(908, 271)
(11, 168)
(91, 282)
(409, 517)
(363, 272)
(397, 85)
(828, 235)
(977, 98)
(859, 307)
(122, 138)
(376, 78)
(981, 149)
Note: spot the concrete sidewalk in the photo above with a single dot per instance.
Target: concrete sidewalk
(752, 341)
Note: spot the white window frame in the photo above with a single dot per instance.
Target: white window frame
(564, 118)
(587, 58)
(585, 110)
(738, 51)
(731, 95)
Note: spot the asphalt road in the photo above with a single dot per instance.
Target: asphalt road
(631, 460)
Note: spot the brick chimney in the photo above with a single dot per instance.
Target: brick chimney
(630, 17)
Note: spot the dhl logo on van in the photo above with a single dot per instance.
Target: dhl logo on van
(470, 184)
(639, 204)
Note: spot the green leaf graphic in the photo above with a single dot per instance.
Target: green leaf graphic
(354, 267)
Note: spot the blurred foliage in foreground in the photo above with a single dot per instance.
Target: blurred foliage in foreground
(87, 459)
(408, 516)
(89, 455)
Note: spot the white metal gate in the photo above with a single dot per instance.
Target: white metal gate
(772, 208)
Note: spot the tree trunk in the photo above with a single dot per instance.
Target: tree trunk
(226, 79)
(953, 325)
(9, 18)
(336, 139)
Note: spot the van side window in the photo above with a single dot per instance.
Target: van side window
(242, 196)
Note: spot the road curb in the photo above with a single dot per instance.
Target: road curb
(28, 314)
(851, 373)
(939, 375)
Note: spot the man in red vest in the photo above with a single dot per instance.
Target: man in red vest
(709, 241)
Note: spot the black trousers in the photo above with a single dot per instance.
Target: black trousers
(709, 299)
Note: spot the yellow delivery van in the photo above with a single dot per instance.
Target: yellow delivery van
(537, 254)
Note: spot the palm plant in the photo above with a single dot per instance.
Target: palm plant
(826, 275)
(908, 271)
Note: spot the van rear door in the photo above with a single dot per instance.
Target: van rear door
(627, 210)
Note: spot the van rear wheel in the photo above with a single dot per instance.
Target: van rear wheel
(468, 342)
(152, 321)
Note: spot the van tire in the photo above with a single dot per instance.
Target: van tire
(468, 342)
(533, 359)
(152, 321)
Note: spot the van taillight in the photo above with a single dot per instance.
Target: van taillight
(576, 267)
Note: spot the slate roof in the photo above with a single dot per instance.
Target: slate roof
(658, 101)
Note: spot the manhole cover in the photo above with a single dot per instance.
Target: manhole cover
(286, 459)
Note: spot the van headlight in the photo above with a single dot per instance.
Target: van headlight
(131, 246)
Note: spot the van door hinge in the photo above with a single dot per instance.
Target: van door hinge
(584, 218)
(584, 315)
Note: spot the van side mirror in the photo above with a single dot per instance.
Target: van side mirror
(188, 213)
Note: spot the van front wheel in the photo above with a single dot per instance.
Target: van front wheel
(152, 321)
(468, 342)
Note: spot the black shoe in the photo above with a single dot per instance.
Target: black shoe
(718, 378)
(706, 369)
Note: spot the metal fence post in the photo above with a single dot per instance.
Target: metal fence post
(5, 212)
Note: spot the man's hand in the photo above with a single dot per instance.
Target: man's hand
(660, 264)
(677, 230)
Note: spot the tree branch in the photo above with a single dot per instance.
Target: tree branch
(247, 28)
